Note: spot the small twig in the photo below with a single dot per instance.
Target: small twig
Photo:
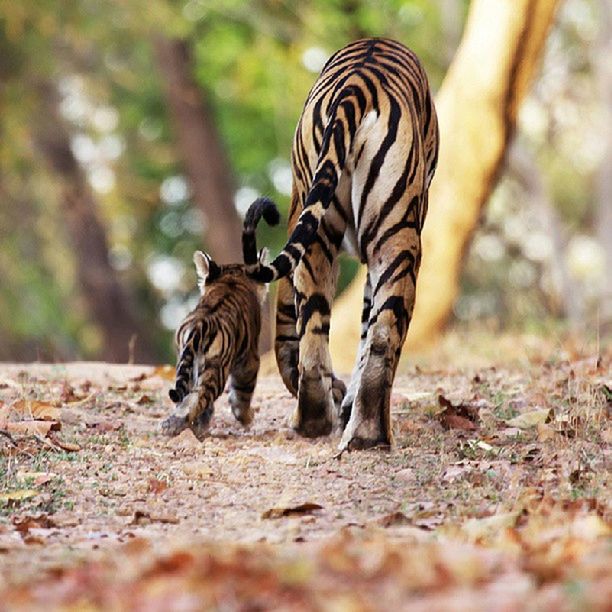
(46, 442)
(6, 434)
(341, 452)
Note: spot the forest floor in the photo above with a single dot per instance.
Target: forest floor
(495, 494)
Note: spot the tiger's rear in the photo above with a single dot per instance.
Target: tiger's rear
(364, 155)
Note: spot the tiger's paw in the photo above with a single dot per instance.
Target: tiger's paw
(313, 416)
(363, 435)
(311, 428)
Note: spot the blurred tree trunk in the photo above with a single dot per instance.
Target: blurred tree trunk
(524, 166)
(124, 337)
(451, 17)
(201, 149)
(603, 52)
(203, 153)
(477, 107)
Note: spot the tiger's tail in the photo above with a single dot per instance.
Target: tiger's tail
(345, 117)
(262, 207)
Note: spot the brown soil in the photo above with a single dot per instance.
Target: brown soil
(465, 475)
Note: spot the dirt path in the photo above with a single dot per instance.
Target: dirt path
(465, 467)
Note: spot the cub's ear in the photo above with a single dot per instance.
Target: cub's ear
(206, 269)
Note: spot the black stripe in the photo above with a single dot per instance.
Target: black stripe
(317, 302)
(379, 158)
(398, 260)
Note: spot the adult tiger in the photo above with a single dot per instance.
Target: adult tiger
(364, 155)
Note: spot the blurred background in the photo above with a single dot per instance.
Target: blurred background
(132, 133)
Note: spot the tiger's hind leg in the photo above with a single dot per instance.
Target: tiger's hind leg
(286, 342)
(393, 292)
(241, 387)
(349, 398)
(319, 391)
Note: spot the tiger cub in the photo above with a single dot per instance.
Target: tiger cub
(219, 338)
(364, 154)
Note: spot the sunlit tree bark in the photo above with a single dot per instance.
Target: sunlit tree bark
(123, 335)
(477, 107)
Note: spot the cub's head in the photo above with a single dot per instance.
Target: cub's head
(210, 272)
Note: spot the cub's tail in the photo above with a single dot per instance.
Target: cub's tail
(262, 207)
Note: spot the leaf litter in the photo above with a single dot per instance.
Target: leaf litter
(466, 509)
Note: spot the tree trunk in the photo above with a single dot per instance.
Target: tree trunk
(477, 107)
(604, 183)
(124, 338)
(524, 166)
(203, 154)
(201, 149)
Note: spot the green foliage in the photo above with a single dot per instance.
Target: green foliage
(250, 59)
(255, 61)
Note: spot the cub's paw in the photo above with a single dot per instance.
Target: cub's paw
(244, 414)
(201, 424)
(174, 424)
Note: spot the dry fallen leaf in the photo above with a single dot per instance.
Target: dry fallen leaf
(70, 447)
(39, 478)
(477, 529)
(36, 409)
(395, 518)
(156, 486)
(305, 508)
(17, 496)
(167, 372)
(143, 518)
(33, 428)
(462, 416)
(68, 395)
(531, 419)
(25, 523)
(105, 425)
(545, 432)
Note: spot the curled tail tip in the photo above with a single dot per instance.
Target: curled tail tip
(174, 395)
(262, 206)
(271, 215)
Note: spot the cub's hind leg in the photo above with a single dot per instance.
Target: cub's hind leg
(241, 387)
(209, 387)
